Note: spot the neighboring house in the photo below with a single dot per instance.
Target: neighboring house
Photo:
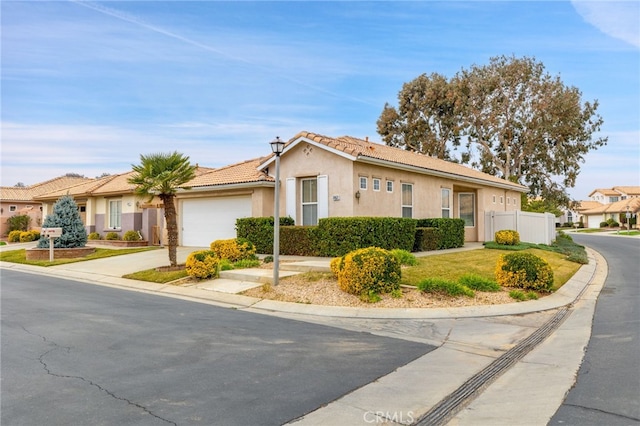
(340, 177)
(16, 200)
(605, 204)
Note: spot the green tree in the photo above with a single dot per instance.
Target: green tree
(515, 120)
(19, 222)
(427, 119)
(65, 215)
(160, 175)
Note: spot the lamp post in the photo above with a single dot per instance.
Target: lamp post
(628, 216)
(277, 146)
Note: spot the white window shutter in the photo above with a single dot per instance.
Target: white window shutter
(291, 198)
(323, 196)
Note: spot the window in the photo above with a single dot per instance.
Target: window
(446, 202)
(363, 183)
(494, 199)
(309, 201)
(389, 186)
(407, 200)
(508, 200)
(13, 208)
(466, 204)
(514, 202)
(115, 214)
(376, 184)
(501, 199)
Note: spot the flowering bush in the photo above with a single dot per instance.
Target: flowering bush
(524, 270)
(202, 264)
(368, 270)
(507, 237)
(27, 236)
(234, 249)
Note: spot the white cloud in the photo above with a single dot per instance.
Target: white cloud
(618, 19)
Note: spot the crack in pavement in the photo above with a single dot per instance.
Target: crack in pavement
(48, 370)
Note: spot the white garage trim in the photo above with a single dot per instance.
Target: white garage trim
(204, 220)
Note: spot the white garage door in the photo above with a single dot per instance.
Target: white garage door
(208, 219)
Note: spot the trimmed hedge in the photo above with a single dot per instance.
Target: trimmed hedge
(450, 231)
(259, 230)
(338, 236)
(298, 240)
(426, 239)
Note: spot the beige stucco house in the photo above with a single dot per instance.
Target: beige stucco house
(323, 176)
(608, 203)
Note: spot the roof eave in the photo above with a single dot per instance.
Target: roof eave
(431, 172)
(225, 186)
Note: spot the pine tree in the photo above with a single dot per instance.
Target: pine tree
(65, 215)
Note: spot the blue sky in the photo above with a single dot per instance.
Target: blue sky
(89, 86)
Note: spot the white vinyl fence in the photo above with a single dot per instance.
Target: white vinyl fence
(537, 228)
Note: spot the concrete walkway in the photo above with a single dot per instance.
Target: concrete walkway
(468, 339)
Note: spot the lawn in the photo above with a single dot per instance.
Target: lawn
(19, 256)
(482, 262)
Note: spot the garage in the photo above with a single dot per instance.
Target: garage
(208, 219)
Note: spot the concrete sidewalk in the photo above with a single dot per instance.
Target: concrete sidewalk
(468, 340)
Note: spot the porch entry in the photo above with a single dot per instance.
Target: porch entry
(307, 199)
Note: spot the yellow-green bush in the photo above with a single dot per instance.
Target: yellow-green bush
(202, 264)
(368, 270)
(131, 236)
(93, 236)
(27, 236)
(524, 270)
(336, 265)
(234, 249)
(507, 237)
(14, 236)
(112, 236)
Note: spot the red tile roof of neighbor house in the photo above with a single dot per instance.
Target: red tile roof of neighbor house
(360, 148)
(244, 172)
(618, 190)
(27, 193)
(587, 205)
(616, 207)
(112, 184)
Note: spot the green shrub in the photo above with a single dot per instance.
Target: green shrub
(93, 236)
(202, 264)
(337, 236)
(268, 259)
(438, 285)
(507, 237)
(524, 270)
(450, 232)
(234, 249)
(246, 263)
(131, 236)
(112, 236)
(225, 265)
(259, 230)
(19, 222)
(604, 224)
(369, 270)
(612, 223)
(476, 282)
(2, 243)
(299, 240)
(521, 296)
(14, 236)
(426, 239)
(404, 257)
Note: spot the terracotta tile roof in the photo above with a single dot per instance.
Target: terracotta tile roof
(244, 172)
(605, 191)
(616, 207)
(28, 193)
(628, 190)
(587, 205)
(363, 148)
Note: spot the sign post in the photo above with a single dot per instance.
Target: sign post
(51, 233)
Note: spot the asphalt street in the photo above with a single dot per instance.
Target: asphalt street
(77, 354)
(607, 391)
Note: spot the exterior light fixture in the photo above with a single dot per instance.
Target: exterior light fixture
(277, 146)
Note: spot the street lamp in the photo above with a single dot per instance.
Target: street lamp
(277, 146)
(628, 216)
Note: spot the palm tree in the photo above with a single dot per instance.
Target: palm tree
(160, 175)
